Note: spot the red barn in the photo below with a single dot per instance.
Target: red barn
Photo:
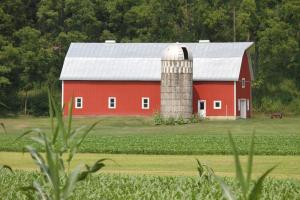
(125, 79)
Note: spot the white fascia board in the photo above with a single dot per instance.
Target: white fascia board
(62, 93)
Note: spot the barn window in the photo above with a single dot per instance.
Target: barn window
(185, 53)
(112, 103)
(243, 82)
(145, 103)
(78, 102)
(217, 104)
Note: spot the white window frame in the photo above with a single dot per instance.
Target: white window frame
(148, 103)
(217, 101)
(81, 105)
(243, 83)
(115, 103)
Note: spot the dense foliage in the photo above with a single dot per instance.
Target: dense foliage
(35, 35)
(147, 187)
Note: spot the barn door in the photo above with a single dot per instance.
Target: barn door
(202, 108)
(243, 107)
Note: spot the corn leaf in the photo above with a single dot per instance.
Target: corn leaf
(71, 183)
(85, 133)
(70, 117)
(59, 120)
(200, 168)
(97, 165)
(73, 135)
(36, 130)
(256, 191)
(38, 140)
(52, 160)
(6, 167)
(40, 191)
(55, 133)
(226, 190)
(92, 169)
(3, 127)
(40, 162)
(28, 191)
(238, 166)
(50, 110)
(250, 161)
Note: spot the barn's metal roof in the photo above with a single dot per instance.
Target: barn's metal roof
(142, 61)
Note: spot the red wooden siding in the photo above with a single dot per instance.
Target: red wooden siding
(244, 93)
(212, 91)
(128, 96)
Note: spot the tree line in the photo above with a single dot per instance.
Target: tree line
(35, 35)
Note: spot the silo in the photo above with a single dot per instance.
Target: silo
(176, 82)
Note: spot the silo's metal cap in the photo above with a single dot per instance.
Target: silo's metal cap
(177, 52)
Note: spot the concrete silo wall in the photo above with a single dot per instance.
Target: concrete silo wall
(177, 89)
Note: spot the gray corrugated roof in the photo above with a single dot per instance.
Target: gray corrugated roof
(141, 61)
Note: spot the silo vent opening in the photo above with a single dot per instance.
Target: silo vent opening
(185, 53)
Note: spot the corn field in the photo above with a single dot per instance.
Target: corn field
(104, 186)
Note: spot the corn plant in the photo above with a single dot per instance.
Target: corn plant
(204, 171)
(244, 182)
(4, 166)
(3, 127)
(58, 183)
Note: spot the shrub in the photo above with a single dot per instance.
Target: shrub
(158, 120)
(170, 121)
(181, 121)
(195, 118)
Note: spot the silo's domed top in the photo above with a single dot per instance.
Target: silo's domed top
(176, 52)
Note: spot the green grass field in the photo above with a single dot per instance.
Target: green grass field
(138, 135)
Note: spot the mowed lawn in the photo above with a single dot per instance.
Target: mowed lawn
(168, 165)
(139, 135)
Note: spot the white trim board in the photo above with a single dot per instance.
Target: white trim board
(234, 97)
(62, 94)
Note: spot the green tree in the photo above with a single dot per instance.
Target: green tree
(31, 72)
(9, 82)
(50, 15)
(80, 16)
(246, 21)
